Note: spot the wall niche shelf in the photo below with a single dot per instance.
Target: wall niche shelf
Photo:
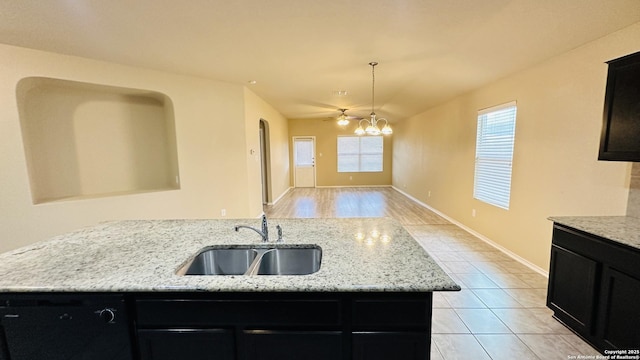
(86, 140)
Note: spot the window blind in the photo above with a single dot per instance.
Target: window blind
(494, 154)
(360, 153)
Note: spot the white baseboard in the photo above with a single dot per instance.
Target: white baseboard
(353, 186)
(279, 197)
(499, 247)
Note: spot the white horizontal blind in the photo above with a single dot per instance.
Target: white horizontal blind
(360, 153)
(494, 154)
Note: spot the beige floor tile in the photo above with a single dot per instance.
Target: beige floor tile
(549, 347)
(583, 347)
(482, 321)
(464, 299)
(447, 255)
(496, 298)
(545, 315)
(460, 267)
(460, 347)
(489, 267)
(439, 301)
(529, 297)
(477, 281)
(446, 321)
(505, 347)
(521, 321)
(435, 353)
(536, 281)
(515, 267)
(509, 281)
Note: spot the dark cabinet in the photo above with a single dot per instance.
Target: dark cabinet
(390, 345)
(284, 326)
(192, 344)
(572, 288)
(594, 287)
(620, 313)
(621, 121)
(292, 345)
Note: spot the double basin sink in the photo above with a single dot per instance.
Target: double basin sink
(254, 260)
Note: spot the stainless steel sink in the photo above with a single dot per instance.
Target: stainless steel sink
(242, 260)
(290, 261)
(221, 262)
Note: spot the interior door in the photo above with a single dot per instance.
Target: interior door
(304, 161)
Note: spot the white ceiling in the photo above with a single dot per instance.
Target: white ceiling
(301, 52)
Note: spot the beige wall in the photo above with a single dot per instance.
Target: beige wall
(278, 147)
(326, 132)
(210, 135)
(83, 140)
(555, 167)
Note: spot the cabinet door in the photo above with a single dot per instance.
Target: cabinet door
(292, 345)
(191, 344)
(572, 289)
(620, 314)
(391, 345)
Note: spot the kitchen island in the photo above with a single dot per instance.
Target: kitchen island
(370, 299)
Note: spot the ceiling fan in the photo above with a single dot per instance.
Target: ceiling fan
(343, 119)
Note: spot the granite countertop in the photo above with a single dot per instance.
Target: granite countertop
(143, 256)
(624, 230)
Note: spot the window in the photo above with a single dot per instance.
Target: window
(359, 153)
(494, 154)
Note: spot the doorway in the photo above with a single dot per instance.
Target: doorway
(304, 168)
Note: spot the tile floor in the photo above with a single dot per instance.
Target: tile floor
(500, 312)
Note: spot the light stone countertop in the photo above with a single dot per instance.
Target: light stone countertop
(624, 230)
(143, 256)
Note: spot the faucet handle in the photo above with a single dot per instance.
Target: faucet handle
(279, 228)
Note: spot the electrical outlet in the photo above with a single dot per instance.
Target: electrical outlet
(350, 177)
(473, 212)
(429, 193)
(223, 212)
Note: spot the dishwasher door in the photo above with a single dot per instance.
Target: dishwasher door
(64, 328)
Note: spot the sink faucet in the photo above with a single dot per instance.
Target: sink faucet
(265, 229)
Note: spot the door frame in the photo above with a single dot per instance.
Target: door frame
(293, 147)
(265, 162)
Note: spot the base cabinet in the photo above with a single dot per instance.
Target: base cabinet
(310, 326)
(594, 287)
(620, 311)
(192, 344)
(221, 326)
(573, 288)
(291, 345)
(390, 345)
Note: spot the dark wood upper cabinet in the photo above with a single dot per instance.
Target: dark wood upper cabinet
(620, 138)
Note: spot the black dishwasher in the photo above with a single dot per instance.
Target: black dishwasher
(64, 327)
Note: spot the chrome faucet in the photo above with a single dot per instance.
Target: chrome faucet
(265, 229)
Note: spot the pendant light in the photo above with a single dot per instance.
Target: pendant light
(371, 126)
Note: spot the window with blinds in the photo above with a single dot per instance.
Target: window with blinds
(360, 153)
(494, 154)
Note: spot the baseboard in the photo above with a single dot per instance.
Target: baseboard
(499, 247)
(279, 197)
(354, 186)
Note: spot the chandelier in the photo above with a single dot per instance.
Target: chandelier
(371, 127)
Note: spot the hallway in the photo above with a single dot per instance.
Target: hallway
(500, 312)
